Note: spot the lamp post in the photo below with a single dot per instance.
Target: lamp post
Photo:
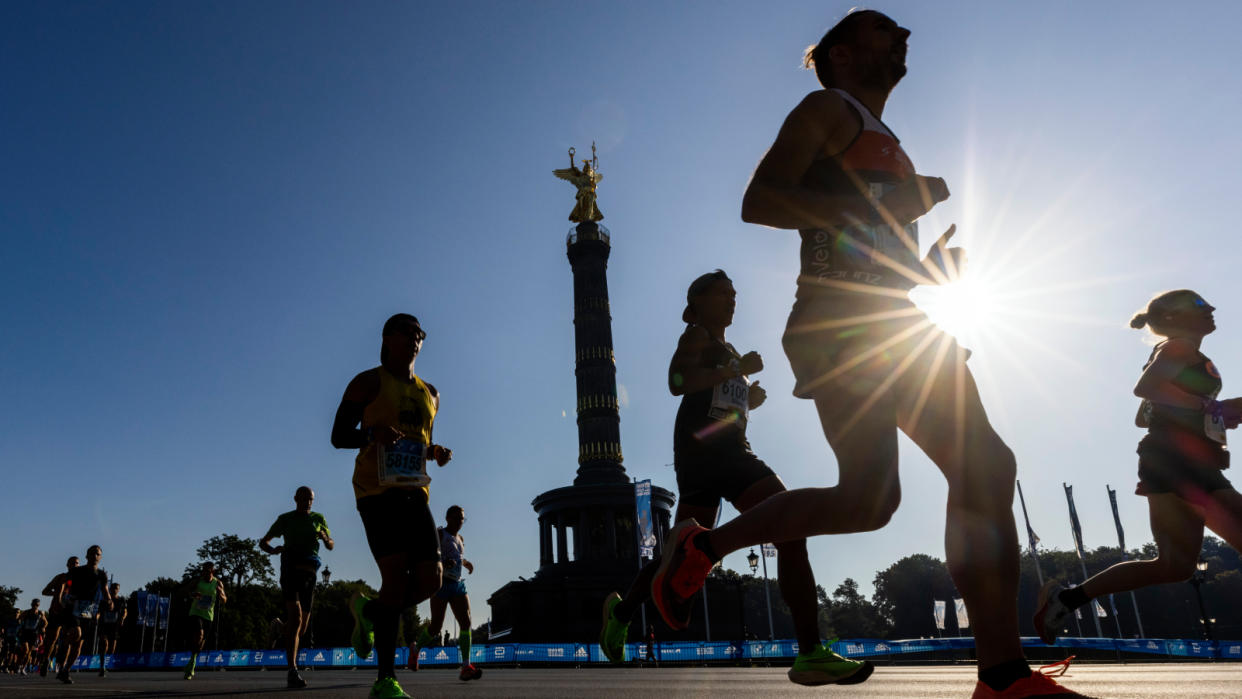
(327, 576)
(753, 559)
(1196, 581)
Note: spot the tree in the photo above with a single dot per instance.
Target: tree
(905, 593)
(851, 615)
(8, 601)
(238, 561)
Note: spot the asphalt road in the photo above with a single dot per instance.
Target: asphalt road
(1141, 681)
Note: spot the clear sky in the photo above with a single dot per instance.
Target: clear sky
(209, 209)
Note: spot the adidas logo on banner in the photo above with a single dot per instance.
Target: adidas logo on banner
(580, 653)
(441, 656)
(881, 647)
(319, 657)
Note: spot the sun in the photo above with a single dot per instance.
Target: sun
(966, 308)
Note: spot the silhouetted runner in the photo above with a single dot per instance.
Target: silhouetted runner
(387, 415)
(713, 460)
(111, 618)
(208, 591)
(56, 590)
(872, 362)
(302, 530)
(1180, 463)
(452, 593)
(85, 588)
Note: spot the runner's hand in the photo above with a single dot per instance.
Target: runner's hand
(1231, 412)
(950, 262)
(469, 567)
(386, 434)
(277, 550)
(441, 455)
(751, 363)
(913, 198)
(756, 397)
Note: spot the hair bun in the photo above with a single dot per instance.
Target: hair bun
(1139, 321)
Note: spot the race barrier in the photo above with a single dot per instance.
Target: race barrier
(680, 652)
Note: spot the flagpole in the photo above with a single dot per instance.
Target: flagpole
(638, 537)
(767, 592)
(1121, 542)
(1030, 535)
(1076, 530)
(141, 608)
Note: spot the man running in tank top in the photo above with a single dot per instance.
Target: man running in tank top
(713, 461)
(54, 589)
(207, 593)
(387, 415)
(452, 593)
(111, 617)
(302, 530)
(871, 362)
(30, 625)
(85, 590)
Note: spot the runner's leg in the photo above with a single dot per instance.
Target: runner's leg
(640, 589)
(1223, 511)
(438, 607)
(294, 628)
(1177, 527)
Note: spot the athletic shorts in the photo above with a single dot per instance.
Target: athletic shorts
(863, 345)
(1163, 469)
(26, 636)
(705, 475)
(196, 623)
(69, 620)
(399, 521)
(108, 631)
(451, 589)
(298, 585)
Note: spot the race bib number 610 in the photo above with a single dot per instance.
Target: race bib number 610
(403, 462)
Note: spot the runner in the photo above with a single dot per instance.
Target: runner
(32, 624)
(713, 460)
(85, 589)
(870, 360)
(395, 409)
(1180, 460)
(111, 618)
(208, 591)
(55, 589)
(302, 531)
(452, 593)
(13, 650)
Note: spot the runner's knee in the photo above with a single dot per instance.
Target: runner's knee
(792, 551)
(1175, 567)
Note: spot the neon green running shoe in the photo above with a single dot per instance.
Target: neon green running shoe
(612, 636)
(822, 666)
(363, 637)
(190, 666)
(387, 688)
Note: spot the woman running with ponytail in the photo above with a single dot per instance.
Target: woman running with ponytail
(1180, 460)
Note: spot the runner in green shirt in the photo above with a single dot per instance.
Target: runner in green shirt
(208, 590)
(302, 531)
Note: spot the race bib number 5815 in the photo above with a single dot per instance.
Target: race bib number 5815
(403, 462)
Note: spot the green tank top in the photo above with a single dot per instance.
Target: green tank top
(205, 604)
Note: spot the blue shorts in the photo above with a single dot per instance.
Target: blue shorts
(451, 589)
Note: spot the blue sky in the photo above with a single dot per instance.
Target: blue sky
(208, 210)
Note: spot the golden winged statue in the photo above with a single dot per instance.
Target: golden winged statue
(585, 179)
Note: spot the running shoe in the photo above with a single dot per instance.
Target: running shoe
(387, 688)
(189, 667)
(63, 676)
(822, 666)
(103, 672)
(1050, 618)
(683, 569)
(363, 636)
(1031, 687)
(295, 681)
(469, 672)
(612, 636)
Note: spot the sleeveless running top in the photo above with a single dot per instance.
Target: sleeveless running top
(411, 408)
(1170, 425)
(112, 616)
(452, 552)
(84, 587)
(865, 251)
(714, 417)
(204, 605)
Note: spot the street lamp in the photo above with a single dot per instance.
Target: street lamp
(753, 560)
(1197, 581)
(327, 575)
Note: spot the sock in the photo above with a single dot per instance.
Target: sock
(1074, 597)
(463, 645)
(700, 542)
(999, 677)
(384, 620)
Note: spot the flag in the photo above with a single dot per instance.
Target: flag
(646, 529)
(1121, 534)
(1075, 527)
(1099, 608)
(140, 602)
(152, 609)
(769, 550)
(1030, 533)
(963, 621)
(938, 613)
(164, 604)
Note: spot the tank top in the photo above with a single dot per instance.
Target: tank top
(864, 251)
(204, 605)
(714, 417)
(1172, 426)
(452, 552)
(112, 616)
(84, 587)
(410, 408)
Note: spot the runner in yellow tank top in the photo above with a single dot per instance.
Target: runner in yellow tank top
(387, 414)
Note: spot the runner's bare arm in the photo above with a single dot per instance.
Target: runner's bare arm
(266, 545)
(220, 592)
(346, 433)
(53, 587)
(441, 454)
(684, 373)
(1156, 383)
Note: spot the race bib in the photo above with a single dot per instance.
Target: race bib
(204, 602)
(403, 463)
(730, 400)
(84, 609)
(31, 623)
(1214, 427)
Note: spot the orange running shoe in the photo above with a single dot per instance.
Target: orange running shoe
(683, 569)
(1033, 686)
(469, 672)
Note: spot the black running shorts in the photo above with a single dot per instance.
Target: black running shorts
(298, 585)
(196, 624)
(399, 521)
(108, 631)
(706, 475)
(1163, 469)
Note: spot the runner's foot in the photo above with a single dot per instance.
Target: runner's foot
(363, 636)
(294, 680)
(1052, 613)
(612, 636)
(63, 676)
(387, 688)
(682, 571)
(822, 666)
(1032, 687)
(469, 672)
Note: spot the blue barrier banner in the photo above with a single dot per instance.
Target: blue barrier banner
(1230, 649)
(239, 658)
(1143, 645)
